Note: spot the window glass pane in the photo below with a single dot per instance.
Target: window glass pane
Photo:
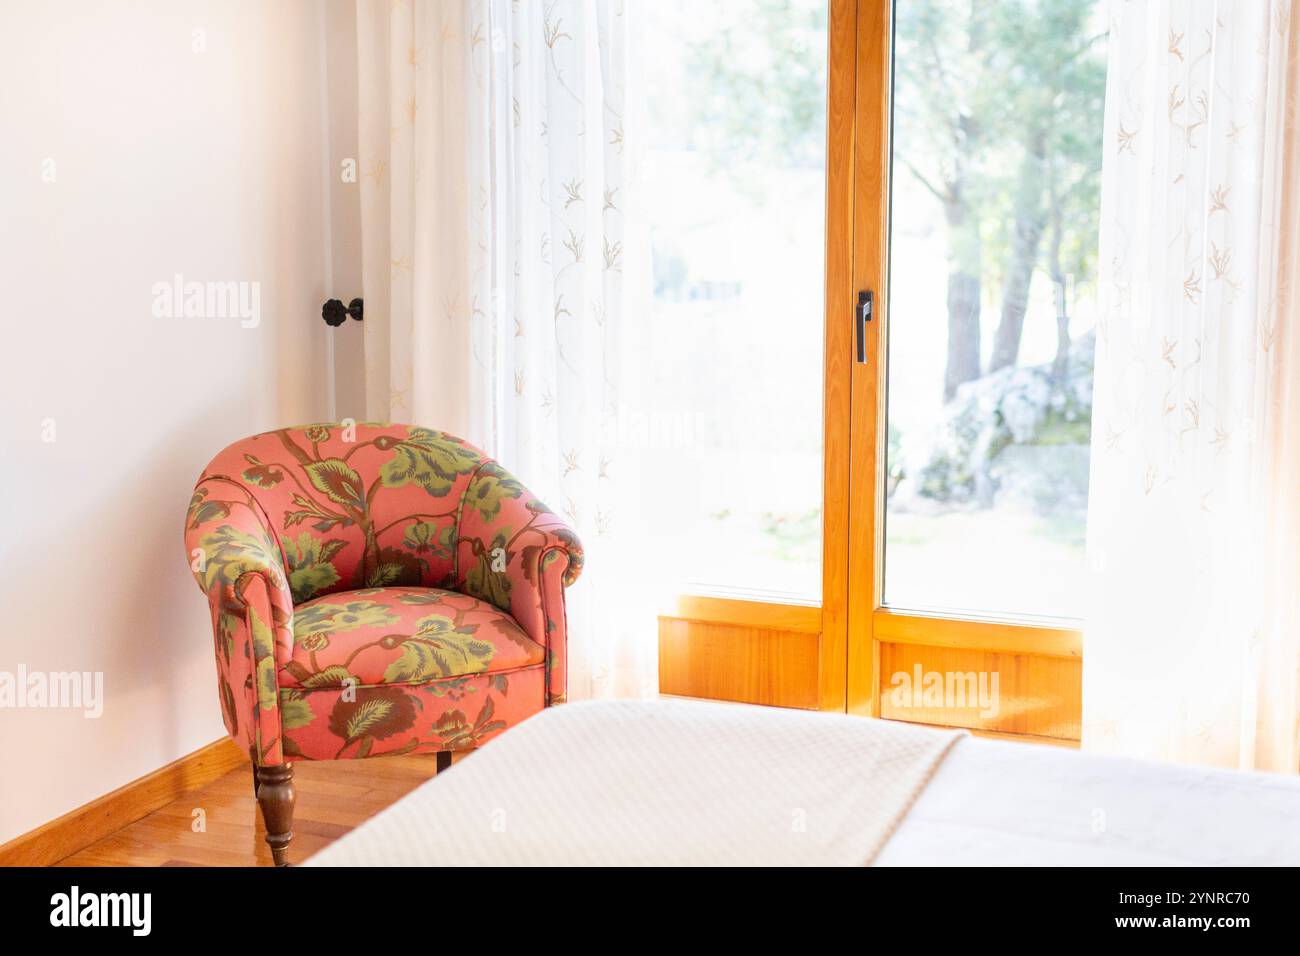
(993, 248)
(734, 175)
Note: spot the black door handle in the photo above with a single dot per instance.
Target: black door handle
(862, 316)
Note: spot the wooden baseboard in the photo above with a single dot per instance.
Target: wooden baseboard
(81, 827)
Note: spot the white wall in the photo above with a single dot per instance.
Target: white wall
(166, 160)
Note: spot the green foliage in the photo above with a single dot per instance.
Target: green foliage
(230, 552)
(997, 110)
(482, 581)
(997, 114)
(1048, 71)
(430, 459)
(323, 618)
(310, 568)
(439, 649)
(426, 537)
(759, 94)
(202, 511)
(295, 712)
(491, 486)
(332, 676)
(264, 656)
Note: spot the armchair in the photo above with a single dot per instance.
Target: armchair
(375, 589)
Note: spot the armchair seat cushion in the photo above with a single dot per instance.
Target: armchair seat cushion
(401, 635)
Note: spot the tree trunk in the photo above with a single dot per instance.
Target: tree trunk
(964, 253)
(963, 332)
(1061, 364)
(1027, 233)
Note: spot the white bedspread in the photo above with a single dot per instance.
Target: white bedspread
(997, 803)
(660, 783)
(676, 782)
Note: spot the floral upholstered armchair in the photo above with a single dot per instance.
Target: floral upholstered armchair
(375, 589)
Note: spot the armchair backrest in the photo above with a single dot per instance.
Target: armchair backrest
(367, 505)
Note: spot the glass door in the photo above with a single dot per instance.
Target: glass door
(977, 236)
(734, 166)
(748, 152)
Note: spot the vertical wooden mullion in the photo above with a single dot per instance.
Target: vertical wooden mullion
(867, 395)
(841, 117)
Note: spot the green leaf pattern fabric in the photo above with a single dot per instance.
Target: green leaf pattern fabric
(376, 588)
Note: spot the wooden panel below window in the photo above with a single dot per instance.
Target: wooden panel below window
(738, 662)
(1036, 695)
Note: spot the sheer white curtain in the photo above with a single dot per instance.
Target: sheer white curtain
(502, 265)
(1192, 650)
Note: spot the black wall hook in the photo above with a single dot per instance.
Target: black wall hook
(334, 312)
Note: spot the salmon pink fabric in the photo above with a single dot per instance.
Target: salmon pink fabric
(377, 588)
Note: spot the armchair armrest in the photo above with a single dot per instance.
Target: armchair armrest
(237, 562)
(514, 553)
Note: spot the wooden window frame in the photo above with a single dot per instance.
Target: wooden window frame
(829, 657)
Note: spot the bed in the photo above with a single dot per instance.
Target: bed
(694, 783)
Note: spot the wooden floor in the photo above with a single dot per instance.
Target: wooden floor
(333, 797)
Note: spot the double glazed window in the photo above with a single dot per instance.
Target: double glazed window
(970, 153)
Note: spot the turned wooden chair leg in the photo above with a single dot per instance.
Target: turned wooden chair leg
(275, 795)
(444, 760)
